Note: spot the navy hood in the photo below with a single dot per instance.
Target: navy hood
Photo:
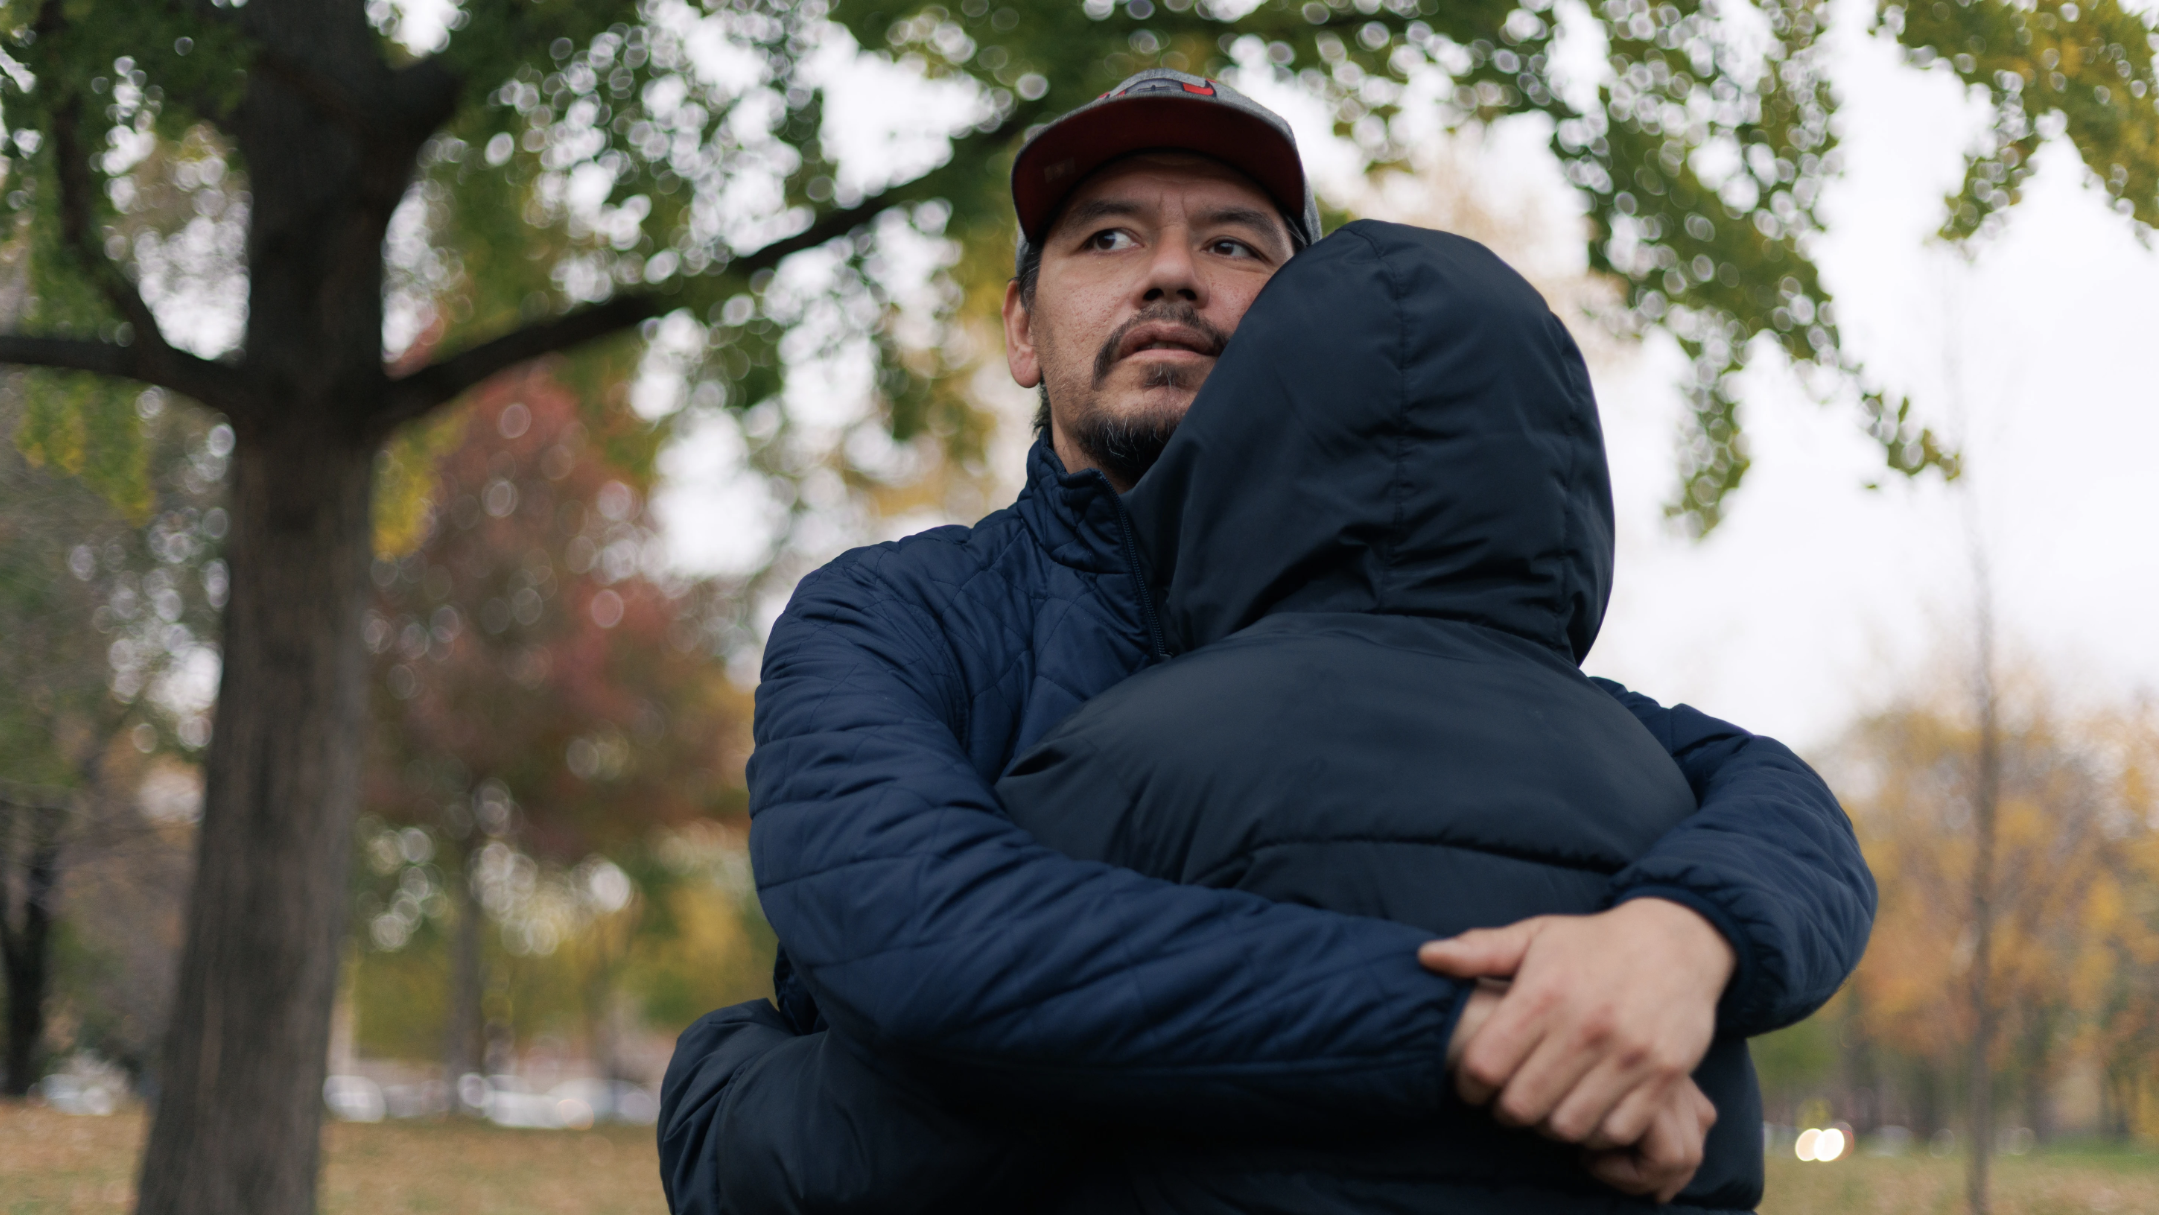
(1399, 426)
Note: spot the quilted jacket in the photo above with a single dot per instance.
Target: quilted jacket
(941, 941)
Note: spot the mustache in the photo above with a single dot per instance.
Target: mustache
(1174, 312)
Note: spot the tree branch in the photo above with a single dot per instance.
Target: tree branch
(65, 354)
(76, 229)
(214, 384)
(407, 103)
(347, 101)
(423, 95)
(147, 357)
(323, 92)
(445, 378)
(330, 58)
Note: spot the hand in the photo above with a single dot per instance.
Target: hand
(1477, 1007)
(1605, 1018)
(1667, 1156)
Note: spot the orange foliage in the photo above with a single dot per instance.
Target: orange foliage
(2074, 958)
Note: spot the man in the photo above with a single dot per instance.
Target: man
(917, 921)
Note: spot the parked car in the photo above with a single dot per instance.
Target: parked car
(354, 1099)
(73, 1095)
(611, 1101)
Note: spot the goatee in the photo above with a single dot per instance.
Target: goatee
(1123, 448)
(1126, 447)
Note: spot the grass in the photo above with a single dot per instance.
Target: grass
(62, 1163)
(2060, 1179)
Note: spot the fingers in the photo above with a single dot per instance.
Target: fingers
(1664, 1161)
(1672, 1148)
(1580, 1068)
(1477, 1007)
(1611, 1106)
(1549, 1073)
(1624, 1122)
(1705, 1109)
(1496, 952)
(1677, 1153)
(1490, 1059)
(1595, 1029)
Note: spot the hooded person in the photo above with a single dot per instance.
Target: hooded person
(1379, 544)
(1379, 564)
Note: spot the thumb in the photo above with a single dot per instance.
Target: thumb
(1494, 952)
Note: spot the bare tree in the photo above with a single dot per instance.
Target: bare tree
(31, 822)
(1987, 797)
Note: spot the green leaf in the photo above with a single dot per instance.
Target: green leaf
(86, 425)
(2085, 64)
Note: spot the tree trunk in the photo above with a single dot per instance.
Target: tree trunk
(1861, 1077)
(601, 1042)
(1927, 1099)
(463, 1038)
(2039, 1103)
(237, 1127)
(1986, 794)
(27, 948)
(238, 1122)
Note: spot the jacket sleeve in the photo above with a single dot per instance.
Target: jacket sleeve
(757, 1118)
(927, 926)
(1769, 858)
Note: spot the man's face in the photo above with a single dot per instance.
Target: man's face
(1148, 269)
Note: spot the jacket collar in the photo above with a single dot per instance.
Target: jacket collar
(1075, 516)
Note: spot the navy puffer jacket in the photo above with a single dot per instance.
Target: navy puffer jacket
(941, 940)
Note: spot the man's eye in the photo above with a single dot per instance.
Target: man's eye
(1110, 240)
(1225, 247)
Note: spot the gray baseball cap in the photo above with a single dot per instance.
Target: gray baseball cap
(1160, 110)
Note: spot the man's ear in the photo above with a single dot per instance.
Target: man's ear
(1021, 357)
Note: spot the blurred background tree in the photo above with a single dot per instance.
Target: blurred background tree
(2075, 931)
(544, 689)
(106, 609)
(2073, 890)
(324, 221)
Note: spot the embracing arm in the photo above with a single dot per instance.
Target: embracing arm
(1742, 919)
(929, 927)
(755, 1117)
(1769, 858)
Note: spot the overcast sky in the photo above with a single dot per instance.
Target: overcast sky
(1818, 598)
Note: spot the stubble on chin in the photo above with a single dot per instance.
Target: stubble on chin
(1123, 428)
(1125, 438)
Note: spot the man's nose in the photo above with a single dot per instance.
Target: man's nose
(1174, 273)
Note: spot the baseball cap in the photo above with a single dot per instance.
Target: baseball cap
(1160, 110)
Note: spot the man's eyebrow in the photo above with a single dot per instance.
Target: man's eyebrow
(1239, 215)
(1090, 210)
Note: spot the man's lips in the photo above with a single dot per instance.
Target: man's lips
(1170, 340)
(1167, 340)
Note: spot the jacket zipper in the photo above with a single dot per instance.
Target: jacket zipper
(1132, 564)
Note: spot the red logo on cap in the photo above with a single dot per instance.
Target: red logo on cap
(1205, 90)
